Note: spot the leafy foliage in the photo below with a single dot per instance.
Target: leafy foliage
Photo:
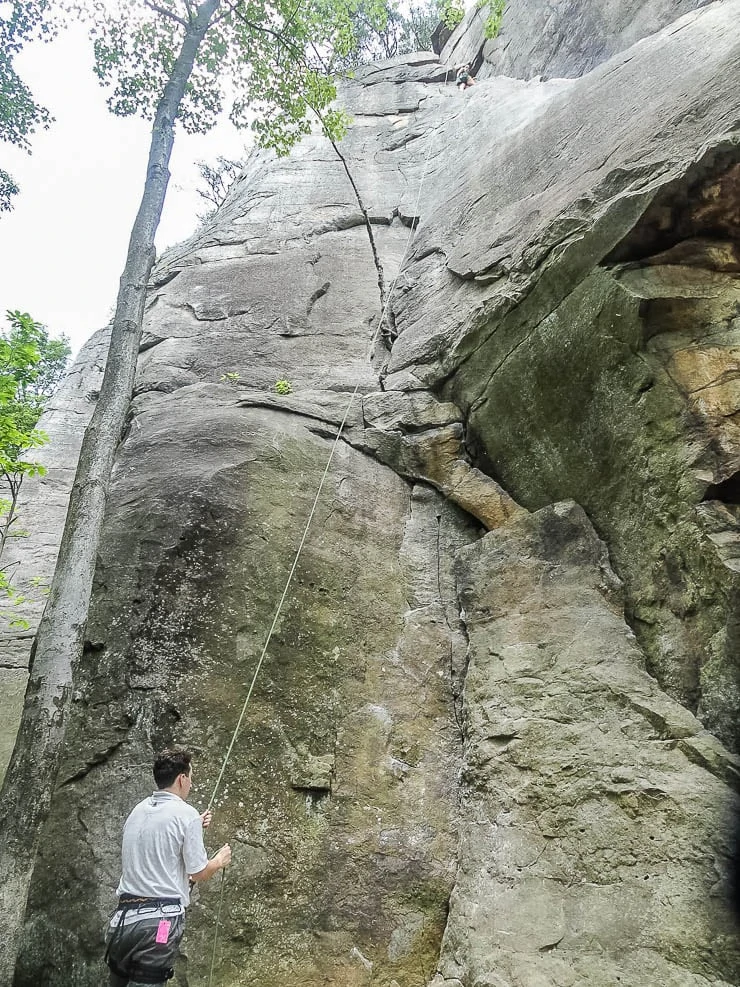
(453, 12)
(8, 189)
(216, 180)
(495, 16)
(421, 22)
(231, 377)
(31, 366)
(402, 31)
(276, 56)
(20, 115)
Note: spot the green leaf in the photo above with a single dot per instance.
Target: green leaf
(20, 114)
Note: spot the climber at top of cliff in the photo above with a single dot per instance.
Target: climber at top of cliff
(162, 852)
(464, 79)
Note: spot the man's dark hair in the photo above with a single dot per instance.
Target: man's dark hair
(168, 765)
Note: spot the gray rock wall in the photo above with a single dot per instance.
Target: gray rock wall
(340, 795)
(461, 765)
(589, 846)
(565, 371)
(559, 38)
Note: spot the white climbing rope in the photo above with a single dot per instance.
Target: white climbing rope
(218, 920)
(288, 581)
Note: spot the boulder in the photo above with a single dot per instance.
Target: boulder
(592, 846)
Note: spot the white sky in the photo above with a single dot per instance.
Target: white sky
(63, 246)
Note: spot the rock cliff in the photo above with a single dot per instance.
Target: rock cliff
(490, 743)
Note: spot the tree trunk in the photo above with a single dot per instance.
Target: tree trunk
(29, 782)
(13, 481)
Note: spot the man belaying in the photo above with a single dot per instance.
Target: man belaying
(464, 79)
(162, 852)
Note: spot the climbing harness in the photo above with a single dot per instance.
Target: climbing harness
(130, 903)
(314, 505)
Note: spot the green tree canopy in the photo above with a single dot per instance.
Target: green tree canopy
(275, 56)
(31, 366)
(402, 29)
(20, 115)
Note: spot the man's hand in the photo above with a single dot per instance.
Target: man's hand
(223, 856)
(206, 818)
(215, 864)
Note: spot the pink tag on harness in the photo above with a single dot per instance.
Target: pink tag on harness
(163, 930)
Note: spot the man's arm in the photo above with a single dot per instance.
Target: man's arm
(216, 863)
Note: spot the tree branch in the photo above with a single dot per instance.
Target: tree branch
(322, 63)
(166, 13)
(258, 27)
(231, 8)
(277, 35)
(293, 13)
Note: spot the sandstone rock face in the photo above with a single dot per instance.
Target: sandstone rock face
(461, 765)
(560, 38)
(591, 341)
(341, 792)
(589, 830)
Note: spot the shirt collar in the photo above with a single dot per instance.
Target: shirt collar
(162, 796)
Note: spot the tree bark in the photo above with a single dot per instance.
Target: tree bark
(31, 776)
(13, 481)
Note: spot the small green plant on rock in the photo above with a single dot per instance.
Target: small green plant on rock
(9, 599)
(283, 386)
(230, 378)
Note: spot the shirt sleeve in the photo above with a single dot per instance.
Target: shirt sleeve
(193, 851)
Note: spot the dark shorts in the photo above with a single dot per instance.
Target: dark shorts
(134, 955)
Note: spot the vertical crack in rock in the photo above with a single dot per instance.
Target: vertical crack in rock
(454, 687)
(370, 234)
(435, 532)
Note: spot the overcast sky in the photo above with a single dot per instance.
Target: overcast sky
(63, 246)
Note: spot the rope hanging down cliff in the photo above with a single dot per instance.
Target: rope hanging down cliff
(386, 298)
(324, 475)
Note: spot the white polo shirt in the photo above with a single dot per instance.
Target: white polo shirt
(162, 846)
